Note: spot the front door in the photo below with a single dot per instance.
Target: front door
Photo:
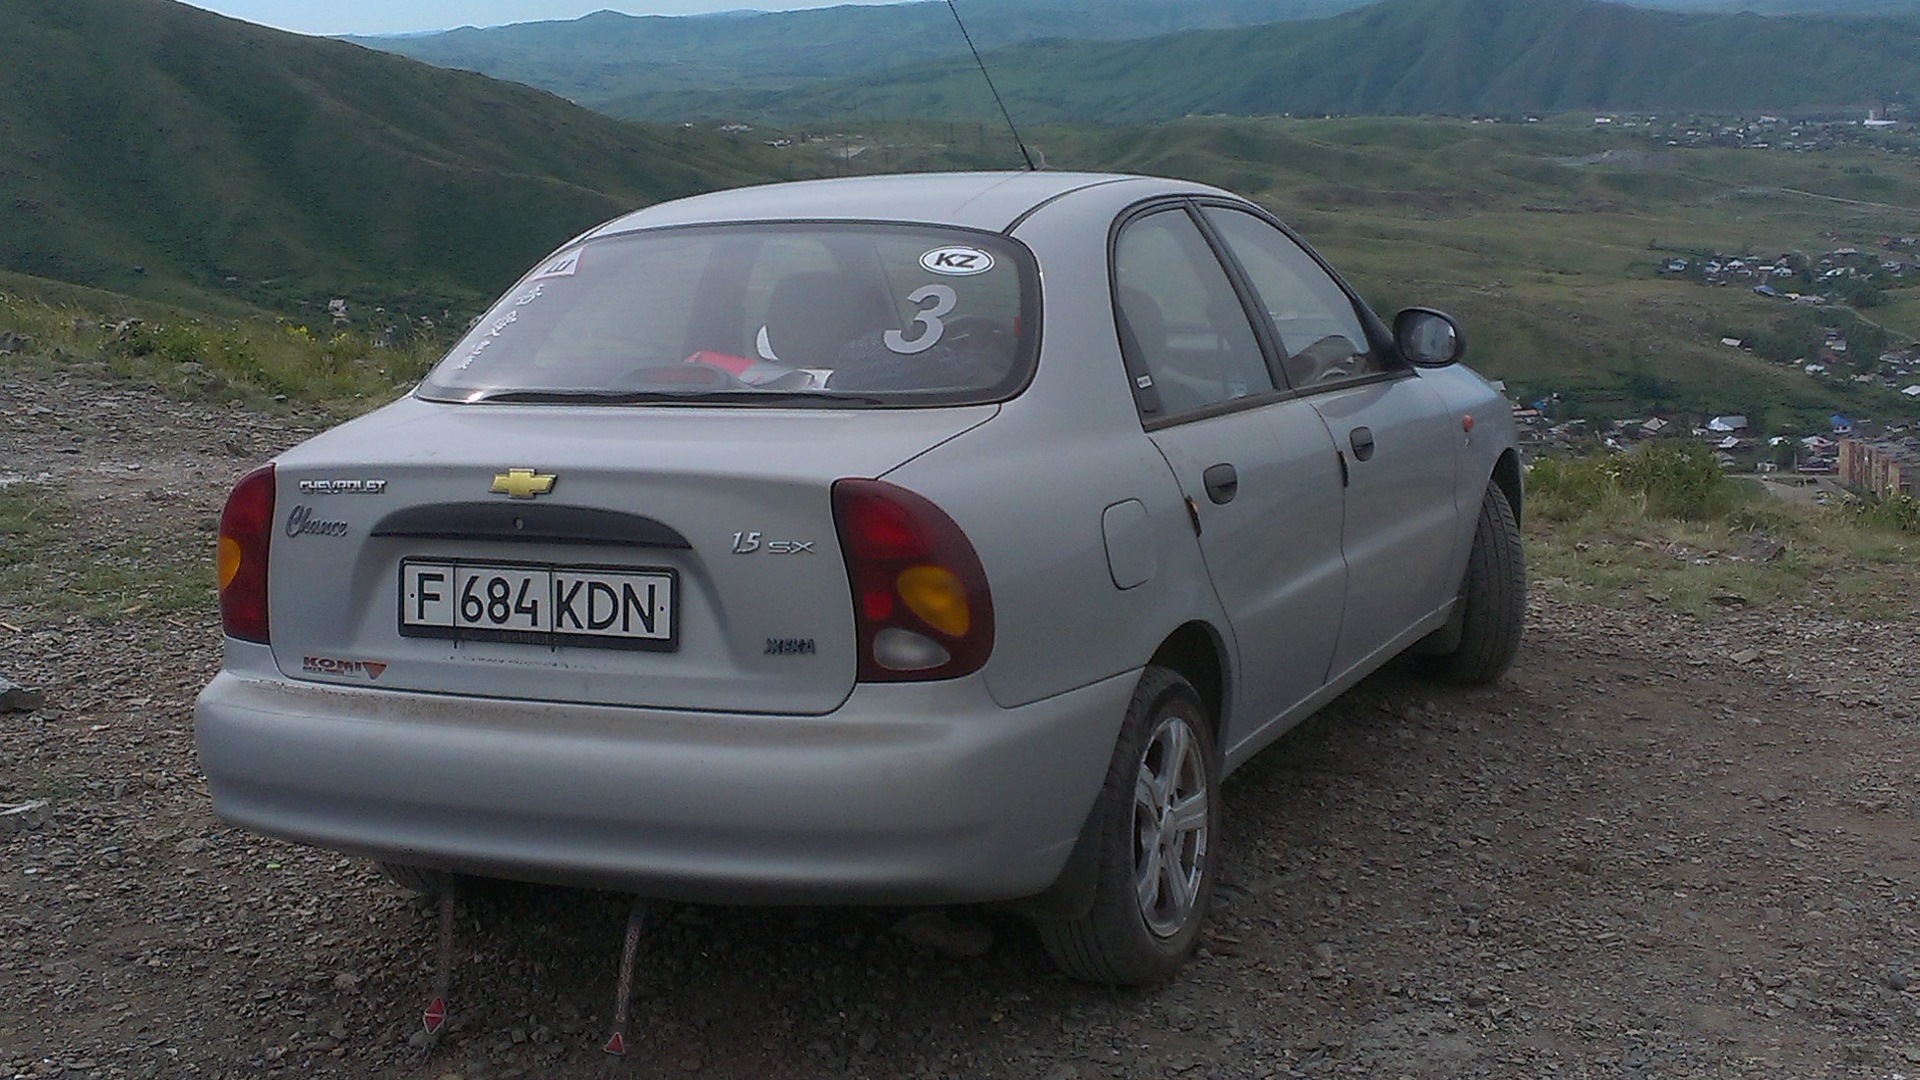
(1400, 444)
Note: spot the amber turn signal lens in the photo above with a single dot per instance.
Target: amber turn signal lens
(936, 595)
(228, 561)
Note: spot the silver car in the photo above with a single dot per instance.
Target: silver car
(898, 540)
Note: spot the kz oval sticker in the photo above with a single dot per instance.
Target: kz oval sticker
(957, 261)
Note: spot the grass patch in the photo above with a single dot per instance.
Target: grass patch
(1664, 525)
(261, 362)
(29, 517)
(46, 566)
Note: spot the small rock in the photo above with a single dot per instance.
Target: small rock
(1897, 980)
(1745, 656)
(190, 846)
(17, 698)
(946, 935)
(347, 983)
(20, 817)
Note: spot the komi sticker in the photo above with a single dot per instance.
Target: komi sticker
(957, 261)
(565, 266)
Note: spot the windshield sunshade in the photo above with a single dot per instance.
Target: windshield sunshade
(847, 315)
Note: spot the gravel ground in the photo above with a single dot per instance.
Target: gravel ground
(1662, 848)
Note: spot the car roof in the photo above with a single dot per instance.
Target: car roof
(990, 201)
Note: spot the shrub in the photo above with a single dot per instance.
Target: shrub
(1680, 482)
(1897, 513)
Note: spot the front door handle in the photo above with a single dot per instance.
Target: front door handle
(1223, 483)
(1362, 440)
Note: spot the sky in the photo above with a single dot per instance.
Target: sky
(391, 17)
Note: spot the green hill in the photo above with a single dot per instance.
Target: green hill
(1792, 7)
(1547, 240)
(1401, 56)
(607, 58)
(154, 149)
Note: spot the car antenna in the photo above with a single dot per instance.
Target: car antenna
(1018, 141)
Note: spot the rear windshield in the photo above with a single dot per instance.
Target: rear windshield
(830, 315)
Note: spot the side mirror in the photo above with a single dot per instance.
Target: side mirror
(1429, 338)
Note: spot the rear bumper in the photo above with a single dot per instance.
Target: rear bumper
(906, 794)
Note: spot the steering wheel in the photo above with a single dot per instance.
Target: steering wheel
(1331, 357)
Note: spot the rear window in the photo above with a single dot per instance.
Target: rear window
(831, 315)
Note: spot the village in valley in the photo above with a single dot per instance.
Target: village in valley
(1879, 456)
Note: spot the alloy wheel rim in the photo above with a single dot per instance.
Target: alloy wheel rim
(1170, 817)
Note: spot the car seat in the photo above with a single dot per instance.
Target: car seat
(813, 316)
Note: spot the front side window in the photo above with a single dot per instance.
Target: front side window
(1321, 338)
(759, 314)
(1180, 319)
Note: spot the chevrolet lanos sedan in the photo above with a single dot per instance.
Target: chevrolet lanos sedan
(905, 540)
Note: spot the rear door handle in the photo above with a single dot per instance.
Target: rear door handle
(1362, 440)
(1223, 483)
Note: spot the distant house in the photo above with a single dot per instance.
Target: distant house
(1884, 468)
(1733, 343)
(1912, 391)
(1842, 425)
(1728, 424)
(1655, 426)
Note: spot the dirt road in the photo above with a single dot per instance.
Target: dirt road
(1662, 848)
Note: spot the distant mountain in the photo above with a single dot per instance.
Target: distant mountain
(1401, 56)
(1791, 7)
(606, 58)
(152, 148)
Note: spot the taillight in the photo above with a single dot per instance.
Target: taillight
(246, 531)
(920, 599)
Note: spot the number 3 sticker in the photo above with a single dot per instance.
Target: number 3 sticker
(944, 301)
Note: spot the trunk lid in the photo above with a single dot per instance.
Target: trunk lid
(668, 557)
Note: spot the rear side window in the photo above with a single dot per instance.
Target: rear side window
(1180, 319)
(759, 314)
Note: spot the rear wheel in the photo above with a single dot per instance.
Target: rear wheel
(1493, 599)
(1159, 844)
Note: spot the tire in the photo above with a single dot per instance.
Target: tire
(1493, 600)
(1151, 891)
(417, 879)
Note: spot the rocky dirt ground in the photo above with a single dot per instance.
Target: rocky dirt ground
(1662, 848)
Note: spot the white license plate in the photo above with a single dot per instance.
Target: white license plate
(538, 603)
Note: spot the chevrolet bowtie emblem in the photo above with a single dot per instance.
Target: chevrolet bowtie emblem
(522, 483)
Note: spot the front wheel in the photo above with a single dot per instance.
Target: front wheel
(1493, 599)
(1159, 844)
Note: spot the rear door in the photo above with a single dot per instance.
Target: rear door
(1400, 444)
(1257, 467)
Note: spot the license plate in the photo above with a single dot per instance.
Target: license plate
(539, 604)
